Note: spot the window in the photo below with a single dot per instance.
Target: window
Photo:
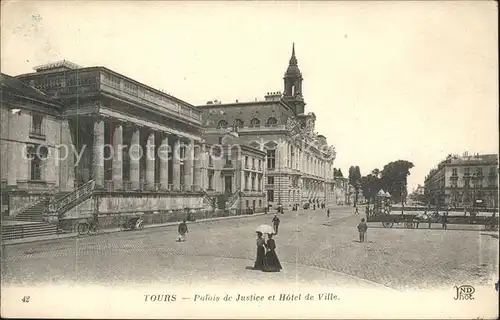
(467, 171)
(271, 160)
(270, 195)
(228, 160)
(253, 182)
(220, 140)
(272, 121)
(270, 180)
(253, 163)
(182, 171)
(246, 182)
(492, 171)
(222, 124)
(247, 203)
(255, 122)
(35, 168)
(467, 183)
(238, 123)
(210, 160)
(260, 203)
(210, 181)
(260, 164)
(454, 173)
(246, 161)
(36, 124)
(259, 184)
(454, 183)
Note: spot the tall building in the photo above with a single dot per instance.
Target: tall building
(299, 162)
(464, 181)
(95, 142)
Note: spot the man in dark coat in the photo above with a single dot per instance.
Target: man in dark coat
(183, 229)
(276, 223)
(362, 227)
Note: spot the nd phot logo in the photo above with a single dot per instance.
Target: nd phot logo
(464, 292)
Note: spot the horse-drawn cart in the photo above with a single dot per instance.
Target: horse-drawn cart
(412, 220)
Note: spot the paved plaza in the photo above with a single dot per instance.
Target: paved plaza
(313, 249)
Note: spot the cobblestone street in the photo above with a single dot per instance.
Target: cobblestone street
(312, 249)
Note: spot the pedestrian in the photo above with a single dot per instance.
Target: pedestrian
(261, 252)
(271, 262)
(362, 227)
(314, 206)
(356, 210)
(328, 213)
(276, 223)
(445, 220)
(183, 229)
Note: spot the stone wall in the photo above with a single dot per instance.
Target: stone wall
(18, 202)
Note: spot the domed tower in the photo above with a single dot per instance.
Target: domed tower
(293, 85)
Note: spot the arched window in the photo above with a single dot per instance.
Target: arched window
(272, 121)
(238, 123)
(255, 122)
(222, 124)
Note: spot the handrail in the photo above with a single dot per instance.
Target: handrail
(208, 199)
(83, 190)
(232, 199)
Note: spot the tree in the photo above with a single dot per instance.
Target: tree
(354, 180)
(394, 178)
(337, 173)
(371, 184)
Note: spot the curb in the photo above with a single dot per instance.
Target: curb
(113, 230)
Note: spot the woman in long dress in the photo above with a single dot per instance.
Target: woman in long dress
(272, 263)
(261, 252)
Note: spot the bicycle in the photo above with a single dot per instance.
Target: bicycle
(87, 227)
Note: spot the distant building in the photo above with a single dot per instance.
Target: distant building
(464, 181)
(233, 174)
(299, 161)
(420, 190)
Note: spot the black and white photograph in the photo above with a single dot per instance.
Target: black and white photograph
(249, 159)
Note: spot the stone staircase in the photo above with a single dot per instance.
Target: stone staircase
(27, 229)
(35, 212)
(31, 222)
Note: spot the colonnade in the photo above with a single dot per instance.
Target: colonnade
(183, 155)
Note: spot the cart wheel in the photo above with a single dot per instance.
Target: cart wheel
(83, 229)
(387, 224)
(140, 225)
(490, 227)
(409, 225)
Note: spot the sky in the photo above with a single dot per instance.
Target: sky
(387, 81)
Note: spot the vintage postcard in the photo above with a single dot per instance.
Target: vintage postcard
(287, 159)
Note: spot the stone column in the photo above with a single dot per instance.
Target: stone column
(135, 155)
(197, 166)
(98, 153)
(188, 166)
(176, 170)
(118, 157)
(163, 158)
(150, 161)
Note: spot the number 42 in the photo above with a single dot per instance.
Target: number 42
(26, 299)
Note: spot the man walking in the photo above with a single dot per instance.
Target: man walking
(183, 229)
(276, 223)
(328, 213)
(362, 227)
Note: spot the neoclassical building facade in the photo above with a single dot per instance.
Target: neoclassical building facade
(136, 148)
(299, 162)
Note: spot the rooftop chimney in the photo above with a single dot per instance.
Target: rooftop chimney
(273, 96)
